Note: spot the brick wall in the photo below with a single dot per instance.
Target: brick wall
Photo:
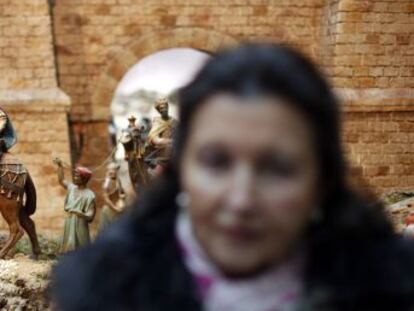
(378, 132)
(26, 54)
(380, 146)
(362, 45)
(87, 31)
(370, 44)
(89, 36)
(367, 51)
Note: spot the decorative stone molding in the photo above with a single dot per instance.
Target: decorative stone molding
(35, 100)
(376, 100)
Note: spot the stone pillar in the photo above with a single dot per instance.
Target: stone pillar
(29, 92)
(366, 49)
(40, 119)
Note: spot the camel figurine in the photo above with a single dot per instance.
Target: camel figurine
(17, 192)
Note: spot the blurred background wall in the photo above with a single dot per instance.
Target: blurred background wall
(63, 64)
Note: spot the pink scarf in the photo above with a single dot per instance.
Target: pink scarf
(279, 289)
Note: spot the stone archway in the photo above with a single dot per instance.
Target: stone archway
(122, 59)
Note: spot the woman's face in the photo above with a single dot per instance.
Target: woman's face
(250, 170)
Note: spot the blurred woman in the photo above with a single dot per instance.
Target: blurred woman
(253, 212)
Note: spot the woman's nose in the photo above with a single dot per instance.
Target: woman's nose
(241, 193)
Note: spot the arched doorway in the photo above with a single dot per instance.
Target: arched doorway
(95, 149)
(159, 75)
(122, 59)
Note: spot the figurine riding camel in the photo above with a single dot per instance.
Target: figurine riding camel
(134, 142)
(17, 192)
(147, 150)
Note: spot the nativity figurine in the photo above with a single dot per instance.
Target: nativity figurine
(79, 207)
(114, 196)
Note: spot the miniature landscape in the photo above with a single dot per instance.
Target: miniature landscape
(23, 281)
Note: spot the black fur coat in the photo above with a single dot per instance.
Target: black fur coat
(136, 265)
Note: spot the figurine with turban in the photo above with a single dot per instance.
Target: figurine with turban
(79, 207)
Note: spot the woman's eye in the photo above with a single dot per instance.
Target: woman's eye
(214, 159)
(277, 168)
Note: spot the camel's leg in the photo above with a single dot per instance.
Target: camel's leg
(10, 214)
(29, 226)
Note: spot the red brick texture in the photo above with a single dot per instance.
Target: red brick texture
(364, 46)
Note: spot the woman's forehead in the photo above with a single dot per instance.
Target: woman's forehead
(255, 125)
(260, 118)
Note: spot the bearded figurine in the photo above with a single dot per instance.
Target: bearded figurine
(79, 207)
(161, 134)
(114, 196)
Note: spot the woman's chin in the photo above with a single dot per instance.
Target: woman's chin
(239, 265)
(237, 270)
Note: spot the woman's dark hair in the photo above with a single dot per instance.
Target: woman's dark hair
(349, 224)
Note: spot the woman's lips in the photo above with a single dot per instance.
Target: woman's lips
(239, 233)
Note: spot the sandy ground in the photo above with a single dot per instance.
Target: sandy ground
(23, 283)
